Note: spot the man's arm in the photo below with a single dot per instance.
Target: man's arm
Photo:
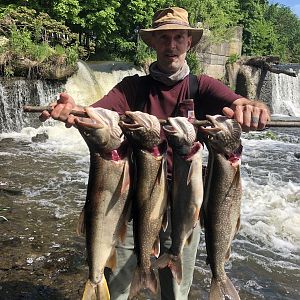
(251, 114)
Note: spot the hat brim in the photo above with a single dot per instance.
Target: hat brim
(196, 33)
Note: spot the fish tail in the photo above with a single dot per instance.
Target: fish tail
(143, 280)
(97, 291)
(171, 261)
(223, 289)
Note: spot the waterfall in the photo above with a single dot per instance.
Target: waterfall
(83, 86)
(89, 84)
(280, 92)
(95, 79)
(17, 92)
(109, 73)
(286, 94)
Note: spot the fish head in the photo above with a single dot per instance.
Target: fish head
(181, 134)
(101, 132)
(141, 129)
(224, 135)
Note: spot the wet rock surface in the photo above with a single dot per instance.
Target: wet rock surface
(37, 262)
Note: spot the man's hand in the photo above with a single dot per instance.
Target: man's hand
(252, 115)
(61, 110)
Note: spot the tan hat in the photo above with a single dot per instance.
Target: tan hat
(171, 18)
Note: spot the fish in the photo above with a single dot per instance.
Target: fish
(150, 202)
(222, 200)
(186, 191)
(107, 208)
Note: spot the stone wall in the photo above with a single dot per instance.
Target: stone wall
(213, 57)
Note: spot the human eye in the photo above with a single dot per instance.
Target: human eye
(179, 37)
(162, 37)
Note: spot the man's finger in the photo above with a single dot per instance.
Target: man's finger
(228, 112)
(44, 116)
(239, 114)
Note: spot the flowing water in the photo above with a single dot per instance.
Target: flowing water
(42, 191)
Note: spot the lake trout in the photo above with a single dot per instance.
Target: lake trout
(107, 206)
(186, 193)
(150, 202)
(222, 200)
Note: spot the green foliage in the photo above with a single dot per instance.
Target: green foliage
(193, 63)
(144, 55)
(112, 26)
(29, 45)
(270, 30)
(131, 16)
(233, 58)
(72, 55)
(289, 35)
(68, 10)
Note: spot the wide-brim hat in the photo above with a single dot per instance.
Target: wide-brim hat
(169, 19)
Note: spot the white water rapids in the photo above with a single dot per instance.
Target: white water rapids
(52, 175)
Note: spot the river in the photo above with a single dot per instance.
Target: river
(42, 191)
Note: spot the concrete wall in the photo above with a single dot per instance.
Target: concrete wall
(213, 57)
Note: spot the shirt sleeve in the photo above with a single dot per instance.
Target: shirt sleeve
(214, 95)
(121, 97)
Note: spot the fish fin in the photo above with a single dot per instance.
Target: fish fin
(227, 255)
(196, 216)
(80, 230)
(176, 269)
(189, 239)
(171, 261)
(143, 280)
(165, 221)
(123, 232)
(223, 290)
(162, 171)
(156, 247)
(98, 291)
(125, 178)
(112, 261)
(161, 262)
(238, 225)
(191, 172)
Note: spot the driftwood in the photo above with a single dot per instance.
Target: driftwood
(268, 63)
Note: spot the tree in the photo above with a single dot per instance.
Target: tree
(288, 36)
(259, 36)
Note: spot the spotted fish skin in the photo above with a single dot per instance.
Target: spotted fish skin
(186, 192)
(107, 207)
(222, 200)
(150, 203)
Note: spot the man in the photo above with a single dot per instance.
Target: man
(163, 94)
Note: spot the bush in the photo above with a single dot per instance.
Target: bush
(193, 63)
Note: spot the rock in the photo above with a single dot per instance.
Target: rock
(40, 138)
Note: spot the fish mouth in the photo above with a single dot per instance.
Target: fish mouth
(94, 120)
(214, 128)
(135, 120)
(169, 129)
(128, 122)
(172, 127)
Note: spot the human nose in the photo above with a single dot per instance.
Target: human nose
(171, 43)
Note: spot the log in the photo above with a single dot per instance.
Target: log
(276, 122)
